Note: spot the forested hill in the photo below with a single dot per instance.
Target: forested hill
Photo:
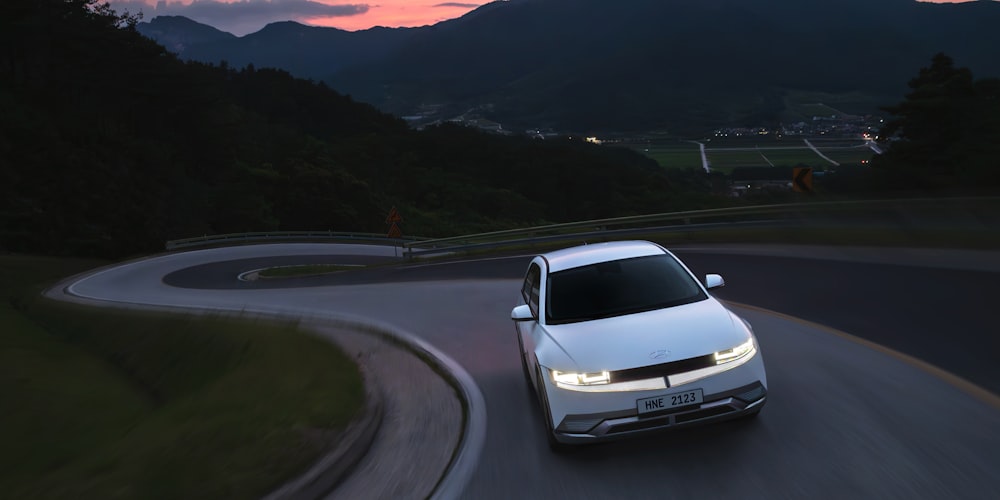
(687, 66)
(682, 65)
(110, 145)
(304, 51)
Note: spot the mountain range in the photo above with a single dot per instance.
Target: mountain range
(682, 66)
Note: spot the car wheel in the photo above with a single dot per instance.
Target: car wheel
(550, 433)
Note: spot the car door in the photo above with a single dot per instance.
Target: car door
(529, 332)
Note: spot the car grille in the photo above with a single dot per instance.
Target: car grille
(663, 369)
(664, 421)
(705, 413)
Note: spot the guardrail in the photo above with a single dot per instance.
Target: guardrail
(906, 212)
(219, 239)
(781, 215)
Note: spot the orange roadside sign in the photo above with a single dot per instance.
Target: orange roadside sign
(802, 179)
(393, 216)
(392, 219)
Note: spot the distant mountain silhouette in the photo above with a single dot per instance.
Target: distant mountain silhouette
(178, 33)
(304, 51)
(593, 65)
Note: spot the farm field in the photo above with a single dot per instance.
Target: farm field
(725, 154)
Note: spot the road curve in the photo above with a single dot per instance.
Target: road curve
(843, 420)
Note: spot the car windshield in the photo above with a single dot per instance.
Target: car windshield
(619, 287)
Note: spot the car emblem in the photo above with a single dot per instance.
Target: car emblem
(662, 353)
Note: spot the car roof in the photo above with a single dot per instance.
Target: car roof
(584, 255)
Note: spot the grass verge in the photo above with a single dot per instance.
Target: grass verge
(103, 403)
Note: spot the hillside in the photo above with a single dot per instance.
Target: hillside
(110, 145)
(684, 66)
(634, 65)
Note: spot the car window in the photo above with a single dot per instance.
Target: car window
(530, 288)
(619, 287)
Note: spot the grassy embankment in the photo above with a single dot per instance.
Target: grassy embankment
(102, 403)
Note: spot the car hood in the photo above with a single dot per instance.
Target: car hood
(636, 340)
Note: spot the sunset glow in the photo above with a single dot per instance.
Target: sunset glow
(399, 13)
(241, 17)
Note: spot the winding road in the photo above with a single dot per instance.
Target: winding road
(845, 417)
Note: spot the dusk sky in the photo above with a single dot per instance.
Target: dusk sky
(241, 17)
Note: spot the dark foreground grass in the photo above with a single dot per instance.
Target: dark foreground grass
(102, 403)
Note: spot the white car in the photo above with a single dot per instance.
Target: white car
(621, 338)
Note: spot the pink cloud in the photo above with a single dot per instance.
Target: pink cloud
(396, 13)
(246, 16)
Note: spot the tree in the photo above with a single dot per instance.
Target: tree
(943, 135)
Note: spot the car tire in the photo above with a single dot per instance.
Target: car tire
(550, 433)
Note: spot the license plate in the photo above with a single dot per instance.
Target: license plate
(668, 401)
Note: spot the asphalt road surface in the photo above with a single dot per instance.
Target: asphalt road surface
(843, 420)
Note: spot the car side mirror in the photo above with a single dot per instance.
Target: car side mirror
(521, 313)
(714, 281)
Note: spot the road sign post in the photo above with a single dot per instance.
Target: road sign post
(393, 219)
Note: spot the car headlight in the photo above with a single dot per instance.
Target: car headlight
(576, 379)
(730, 355)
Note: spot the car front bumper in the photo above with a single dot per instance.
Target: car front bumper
(580, 417)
